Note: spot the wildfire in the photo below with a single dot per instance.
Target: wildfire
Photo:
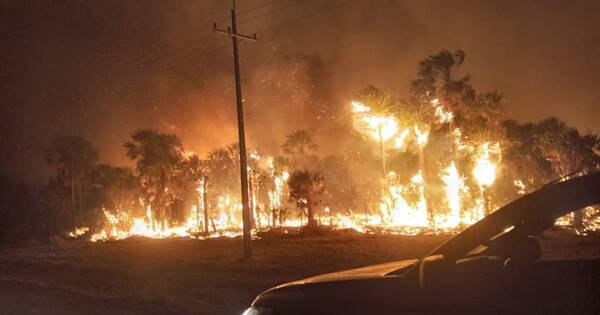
(79, 231)
(379, 127)
(401, 140)
(440, 113)
(485, 170)
(421, 136)
(520, 185)
(455, 186)
(405, 206)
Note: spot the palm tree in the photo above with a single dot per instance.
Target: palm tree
(380, 102)
(157, 157)
(434, 79)
(195, 172)
(306, 189)
(300, 147)
(566, 150)
(223, 166)
(117, 188)
(341, 186)
(73, 157)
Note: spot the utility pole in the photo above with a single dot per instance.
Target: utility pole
(233, 34)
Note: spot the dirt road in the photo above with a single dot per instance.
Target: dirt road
(195, 276)
(17, 299)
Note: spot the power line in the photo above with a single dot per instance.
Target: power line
(290, 22)
(185, 44)
(205, 35)
(293, 4)
(260, 6)
(134, 65)
(201, 37)
(264, 32)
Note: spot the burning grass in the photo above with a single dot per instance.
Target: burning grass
(439, 198)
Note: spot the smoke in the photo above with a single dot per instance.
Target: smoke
(104, 69)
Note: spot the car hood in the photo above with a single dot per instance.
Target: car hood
(373, 271)
(332, 292)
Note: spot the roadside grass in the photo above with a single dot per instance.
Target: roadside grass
(190, 276)
(197, 276)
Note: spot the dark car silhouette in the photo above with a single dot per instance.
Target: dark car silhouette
(491, 267)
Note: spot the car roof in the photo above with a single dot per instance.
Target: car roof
(530, 214)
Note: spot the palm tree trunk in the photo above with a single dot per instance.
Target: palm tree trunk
(310, 215)
(428, 191)
(72, 186)
(252, 205)
(79, 190)
(198, 202)
(205, 204)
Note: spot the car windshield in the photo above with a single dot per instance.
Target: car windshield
(528, 215)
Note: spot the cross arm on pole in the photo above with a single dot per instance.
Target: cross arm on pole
(230, 33)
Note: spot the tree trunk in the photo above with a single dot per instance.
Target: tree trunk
(198, 202)
(72, 183)
(252, 201)
(274, 216)
(280, 214)
(428, 192)
(205, 204)
(578, 220)
(487, 201)
(213, 225)
(310, 214)
(80, 191)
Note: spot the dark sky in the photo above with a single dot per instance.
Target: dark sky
(101, 69)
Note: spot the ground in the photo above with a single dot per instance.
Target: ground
(186, 276)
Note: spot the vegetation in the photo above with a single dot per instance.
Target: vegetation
(344, 177)
(300, 148)
(157, 159)
(306, 190)
(73, 158)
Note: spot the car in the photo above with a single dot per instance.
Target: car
(490, 267)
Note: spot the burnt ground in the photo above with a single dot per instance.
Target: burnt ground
(184, 276)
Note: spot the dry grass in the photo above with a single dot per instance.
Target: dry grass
(209, 277)
(190, 276)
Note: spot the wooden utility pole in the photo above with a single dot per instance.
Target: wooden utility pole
(233, 34)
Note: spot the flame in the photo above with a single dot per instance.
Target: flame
(440, 113)
(397, 211)
(520, 185)
(379, 127)
(78, 231)
(400, 140)
(421, 136)
(485, 170)
(358, 107)
(455, 185)
(460, 146)
(402, 209)
(590, 220)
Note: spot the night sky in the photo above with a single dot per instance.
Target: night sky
(101, 69)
